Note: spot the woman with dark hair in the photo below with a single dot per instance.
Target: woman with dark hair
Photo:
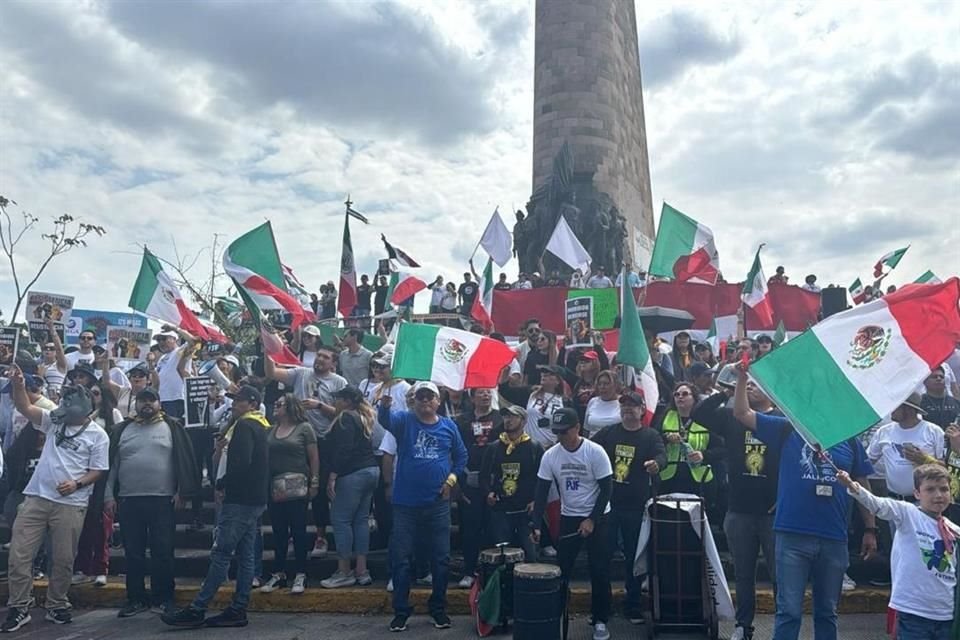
(353, 479)
(93, 549)
(682, 355)
(294, 482)
(544, 354)
(691, 449)
(604, 408)
(704, 353)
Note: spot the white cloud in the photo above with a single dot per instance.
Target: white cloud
(828, 132)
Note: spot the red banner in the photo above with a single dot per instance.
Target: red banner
(797, 307)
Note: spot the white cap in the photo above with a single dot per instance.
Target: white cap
(166, 334)
(312, 330)
(232, 359)
(426, 384)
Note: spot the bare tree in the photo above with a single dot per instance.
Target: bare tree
(68, 233)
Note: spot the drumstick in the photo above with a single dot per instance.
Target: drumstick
(575, 534)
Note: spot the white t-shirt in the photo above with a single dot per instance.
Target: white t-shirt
(53, 377)
(576, 473)
(924, 575)
(172, 386)
(599, 282)
(74, 357)
(371, 390)
(308, 358)
(887, 445)
(88, 451)
(600, 413)
(436, 294)
(389, 446)
(542, 406)
(20, 420)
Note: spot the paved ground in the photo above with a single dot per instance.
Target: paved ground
(103, 624)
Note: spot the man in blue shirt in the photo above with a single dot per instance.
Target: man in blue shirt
(811, 518)
(430, 456)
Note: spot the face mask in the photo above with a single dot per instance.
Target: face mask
(76, 404)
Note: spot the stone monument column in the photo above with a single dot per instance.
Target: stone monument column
(587, 92)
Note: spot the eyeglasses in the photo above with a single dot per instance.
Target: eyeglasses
(279, 404)
(87, 337)
(681, 394)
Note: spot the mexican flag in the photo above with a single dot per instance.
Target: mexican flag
(482, 310)
(254, 264)
(449, 357)
(755, 294)
(890, 260)
(407, 286)
(156, 295)
(856, 291)
(347, 298)
(928, 278)
(632, 350)
(273, 347)
(684, 249)
(713, 338)
(847, 372)
(780, 335)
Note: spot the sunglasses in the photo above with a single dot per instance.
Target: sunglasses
(681, 394)
(87, 337)
(937, 377)
(424, 395)
(49, 348)
(279, 404)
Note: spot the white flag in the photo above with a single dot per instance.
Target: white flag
(564, 244)
(496, 240)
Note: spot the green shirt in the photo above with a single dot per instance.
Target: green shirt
(289, 454)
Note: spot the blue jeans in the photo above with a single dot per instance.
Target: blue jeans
(802, 559)
(236, 532)
(911, 627)
(350, 511)
(428, 523)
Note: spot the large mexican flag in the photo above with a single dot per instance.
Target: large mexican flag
(632, 351)
(684, 249)
(844, 374)
(449, 357)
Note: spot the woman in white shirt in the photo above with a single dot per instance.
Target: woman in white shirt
(604, 408)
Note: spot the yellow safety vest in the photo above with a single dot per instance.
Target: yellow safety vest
(697, 437)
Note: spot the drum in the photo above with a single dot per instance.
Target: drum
(537, 602)
(490, 560)
(496, 556)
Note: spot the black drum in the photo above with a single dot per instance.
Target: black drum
(537, 602)
(490, 561)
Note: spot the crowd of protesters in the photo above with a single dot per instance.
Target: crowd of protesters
(341, 442)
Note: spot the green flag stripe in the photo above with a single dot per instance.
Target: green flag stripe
(146, 284)
(414, 353)
(675, 237)
(803, 380)
(257, 251)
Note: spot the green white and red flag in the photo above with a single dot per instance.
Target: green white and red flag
(755, 293)
(846, 373)
(857, 292)
(482, 310)
(684, 249)
(632, 350)
(450, 357)
(273, 346)
(890, 261)
(156, 295)
(347, 297)
(254, 264)
(928, 278)
(407, 286)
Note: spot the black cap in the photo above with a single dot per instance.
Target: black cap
(563, 419)
(147, 394)
(83, 367)
(249, 393)
(349, 393)
(764, 338)
(633, 397)
(139, 369)
(698, 369)
(555, 369)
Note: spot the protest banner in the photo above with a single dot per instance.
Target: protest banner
(579, 321)
(9, 345)
(40, 306)
(128, 342)
(606, 307)
(98, 321)
(198, 400)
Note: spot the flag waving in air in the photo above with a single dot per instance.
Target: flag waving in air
(633, 350)
(755, 294)
(406, 287)
(857, 292)
(254, 264)
(273, 346)
(156, 295)
(843, 375)
(398, 256)
(449, 357)
(684, 249)
(347, 298)
(890, 261)
(482, 310)
(496, 239)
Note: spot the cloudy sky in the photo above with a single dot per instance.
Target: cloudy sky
(830, 132)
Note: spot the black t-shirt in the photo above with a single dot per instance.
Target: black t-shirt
(477, 433)
(503, 286)
(534, 360)
(363, 295)
(513, 478)
(753, 466)
(628, 451)
(468, 292)
(556, 282)
(380, 298)
(940, 411)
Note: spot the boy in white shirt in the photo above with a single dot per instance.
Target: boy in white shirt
(923, 561)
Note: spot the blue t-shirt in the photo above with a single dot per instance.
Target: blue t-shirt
(799, 507)
(426, 455)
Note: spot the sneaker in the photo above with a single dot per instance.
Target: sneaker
(132, 609)
(399, 623)
(80, 578)
(742, 633)
(16, 618)
(100, 581)
(550, 552)
(425, 581)
(441, 620)
(390, 585)
(59, 616)
(229, 617)
(319, 548)
(339, 579)
(38, 574)
(364, 579)
(465, 583)
(299, 583)
(618, 556)
(276, 581)
(6, 546)
(188, 618)
(848, 583)
(162, 608)
(600, 631)
(256, 582)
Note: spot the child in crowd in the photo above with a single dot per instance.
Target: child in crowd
(923, 562)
